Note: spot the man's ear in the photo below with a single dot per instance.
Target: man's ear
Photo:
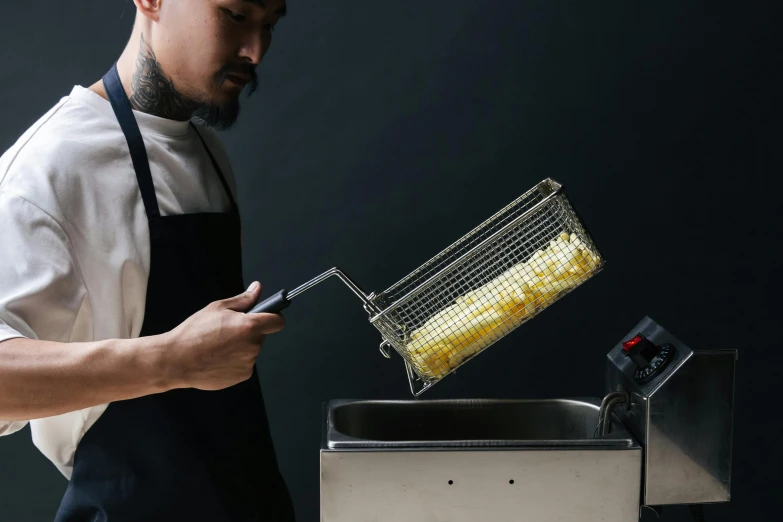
(149, 8)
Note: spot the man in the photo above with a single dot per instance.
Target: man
(124, 340)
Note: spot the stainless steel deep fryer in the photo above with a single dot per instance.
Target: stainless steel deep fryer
(485, 285)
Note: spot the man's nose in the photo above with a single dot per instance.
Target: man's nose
(254, 47)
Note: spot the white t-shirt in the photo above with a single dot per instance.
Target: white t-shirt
(74, 238)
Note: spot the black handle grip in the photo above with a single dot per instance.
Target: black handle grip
(272, 305)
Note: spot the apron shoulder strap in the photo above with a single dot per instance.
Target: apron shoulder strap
(124, 113)
(217, 168)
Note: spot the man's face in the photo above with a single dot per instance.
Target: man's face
(211, 48)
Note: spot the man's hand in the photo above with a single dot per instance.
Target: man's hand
(217, 346)
(213, 349)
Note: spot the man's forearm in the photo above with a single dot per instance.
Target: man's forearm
(44, 378)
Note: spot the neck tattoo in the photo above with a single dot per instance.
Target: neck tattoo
(152, 92)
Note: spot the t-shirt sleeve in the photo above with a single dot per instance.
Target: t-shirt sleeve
(41, 288)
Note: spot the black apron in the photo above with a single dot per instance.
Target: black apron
(186, 454)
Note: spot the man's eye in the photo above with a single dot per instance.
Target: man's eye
(269, 27)
(235, 16)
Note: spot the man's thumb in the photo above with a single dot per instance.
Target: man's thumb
(244, 301)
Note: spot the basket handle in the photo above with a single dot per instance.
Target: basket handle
(272, 305)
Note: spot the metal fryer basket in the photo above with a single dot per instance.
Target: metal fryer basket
(498, 276)
(485, 285)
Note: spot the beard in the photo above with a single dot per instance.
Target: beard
(223, 115)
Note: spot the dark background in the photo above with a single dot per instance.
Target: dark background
(383, 131)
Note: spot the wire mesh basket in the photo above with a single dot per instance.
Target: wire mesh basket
(485, 285)
(495, 278)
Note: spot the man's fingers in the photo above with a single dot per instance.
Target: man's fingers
(244, 301)
(268, 323)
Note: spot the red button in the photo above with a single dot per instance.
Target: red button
(627, 345)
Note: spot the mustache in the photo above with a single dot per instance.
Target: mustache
(241, 69)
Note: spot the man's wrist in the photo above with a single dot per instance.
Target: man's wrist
(148, 356)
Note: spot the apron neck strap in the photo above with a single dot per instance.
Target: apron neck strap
(124, 113)
(217, 169)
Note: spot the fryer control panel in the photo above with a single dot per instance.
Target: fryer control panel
(650, 359)
(647, 355)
